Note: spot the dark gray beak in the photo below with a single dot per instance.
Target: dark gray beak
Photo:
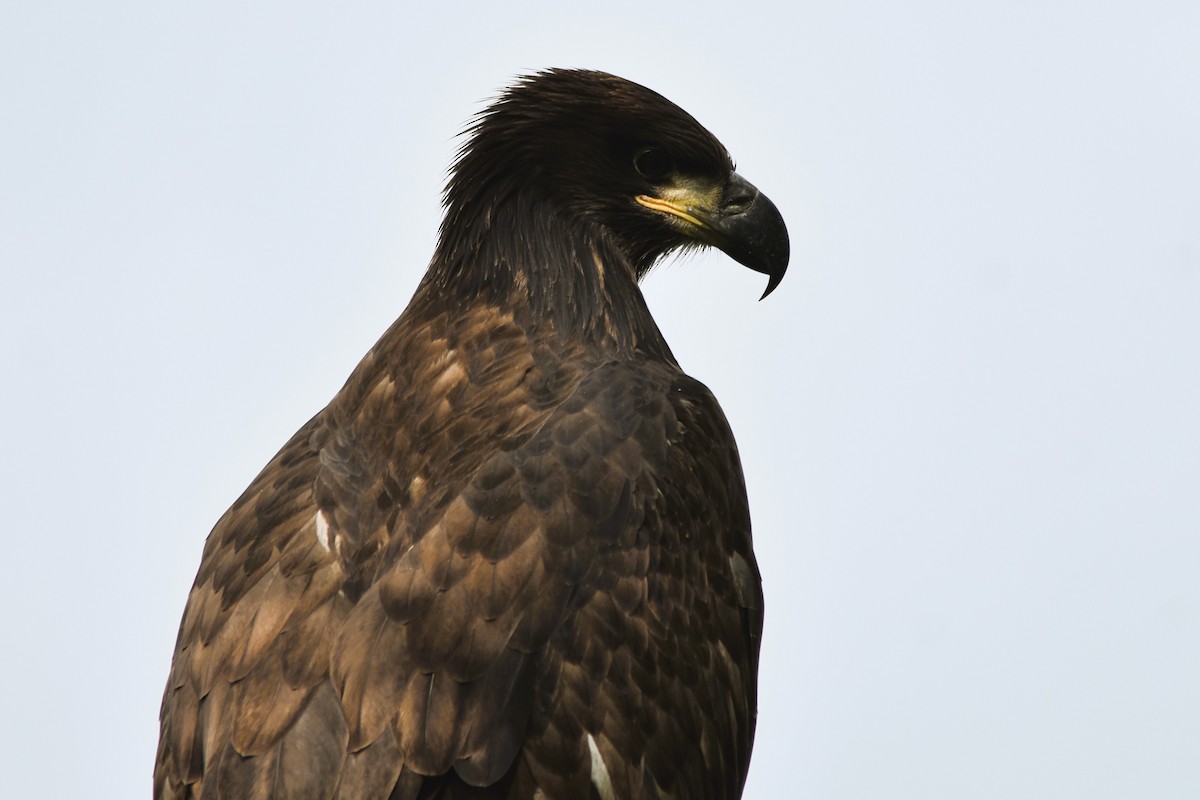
(736, 218)
(751, 231)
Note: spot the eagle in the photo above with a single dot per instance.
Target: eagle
(511, 558)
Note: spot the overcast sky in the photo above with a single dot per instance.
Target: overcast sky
(970, 416)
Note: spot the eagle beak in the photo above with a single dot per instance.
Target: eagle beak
(737, 218)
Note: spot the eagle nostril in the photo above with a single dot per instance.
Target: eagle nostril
(739, 200)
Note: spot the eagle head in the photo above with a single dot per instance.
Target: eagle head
(603, 152)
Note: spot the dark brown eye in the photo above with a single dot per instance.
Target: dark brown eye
(653, 164)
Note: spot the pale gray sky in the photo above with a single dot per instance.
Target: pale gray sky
(970, 416)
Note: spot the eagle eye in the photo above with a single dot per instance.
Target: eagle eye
(652, 164)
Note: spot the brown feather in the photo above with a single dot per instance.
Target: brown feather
(372, 771)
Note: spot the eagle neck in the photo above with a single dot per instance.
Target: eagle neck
(569, 278)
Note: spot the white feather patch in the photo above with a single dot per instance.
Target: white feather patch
(323, 530)
(600, 776)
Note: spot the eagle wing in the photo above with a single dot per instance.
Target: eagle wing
(502, 567)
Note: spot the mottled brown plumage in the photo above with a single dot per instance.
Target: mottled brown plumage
(512, 557)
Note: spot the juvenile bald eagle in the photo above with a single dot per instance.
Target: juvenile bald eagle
(511, 558)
